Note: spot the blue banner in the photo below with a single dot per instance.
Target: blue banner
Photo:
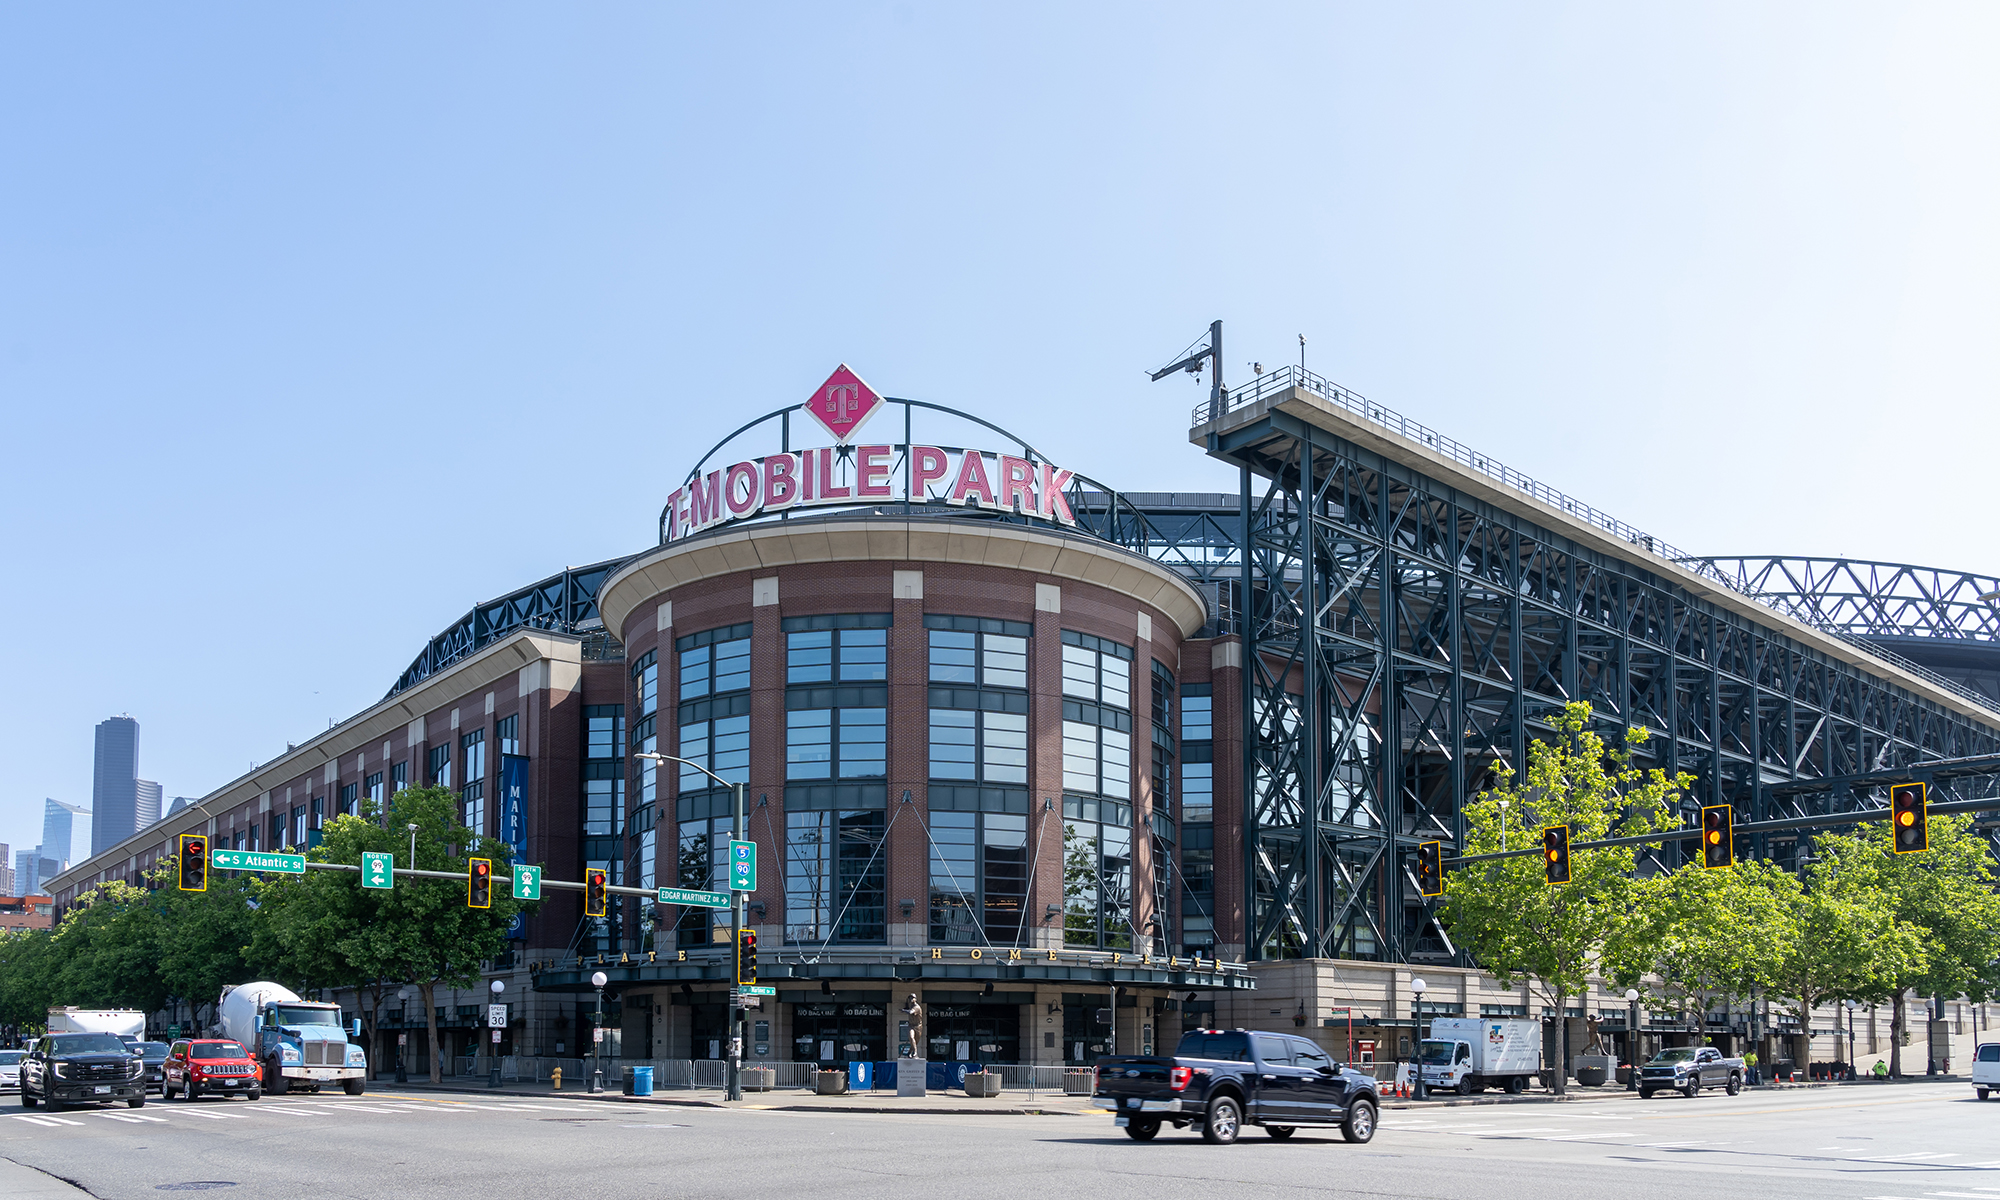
(514, 820)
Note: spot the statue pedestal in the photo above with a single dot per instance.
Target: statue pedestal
(910, 1073)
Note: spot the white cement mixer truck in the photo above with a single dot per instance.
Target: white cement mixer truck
(300, 1042)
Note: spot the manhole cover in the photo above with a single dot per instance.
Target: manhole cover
(193, 1185)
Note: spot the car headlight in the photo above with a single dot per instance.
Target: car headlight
(137, 1068)
(356, 1057)
(62, 1070)
(289, 1053)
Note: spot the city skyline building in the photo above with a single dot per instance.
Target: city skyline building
(114, 786)
(6, 871)
(59, 829)
(147, 796)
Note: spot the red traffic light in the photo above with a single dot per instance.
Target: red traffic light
(746, 957)
(595, 898)
(479, 883)
(194, 863)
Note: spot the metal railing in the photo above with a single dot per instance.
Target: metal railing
(1272, 383)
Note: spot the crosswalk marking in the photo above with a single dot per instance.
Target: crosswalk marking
(130, 1118)
(212, 1116)
(46, 1122)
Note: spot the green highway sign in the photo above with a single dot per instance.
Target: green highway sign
(378, 869)
(698, 899)
(752, 989)
(255, 860)
(527, 882)
(742, 866)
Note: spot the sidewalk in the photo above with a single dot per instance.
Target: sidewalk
(26, 1183)
(1016, 1103)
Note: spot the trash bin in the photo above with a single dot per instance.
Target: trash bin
(627, 1085)
(642, 1082)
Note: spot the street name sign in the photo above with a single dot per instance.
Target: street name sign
(697, 898)
(256, 860)
(742, 866)
(378, 869)
(757, 990)
(527, 882)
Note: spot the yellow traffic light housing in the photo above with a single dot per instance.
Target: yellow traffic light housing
(194, 862)
(746, 957)
(1430, 868)
(1718, 836)
(1555, 854)
(479, 883)
(1909, 817)
(594, 894)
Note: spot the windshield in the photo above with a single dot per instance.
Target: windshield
(207, 1050)
(1684, 1054)
(154, 1051)
(289, 1014)
(84, 1043)
(9, 1058)
(1437, 1054)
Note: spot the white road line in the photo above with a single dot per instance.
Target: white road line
(211, 1116)
(126, 1119)
(285, 1110)
(1912, 1156)
(46, 1122)
(1585, 1137)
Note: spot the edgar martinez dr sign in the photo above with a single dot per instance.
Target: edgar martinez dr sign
(849, 474)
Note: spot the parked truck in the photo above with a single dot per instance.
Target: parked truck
(1688, 1069)
(299, 1042)
(1467, 1056)
(119, 1022)
(1220, 1080)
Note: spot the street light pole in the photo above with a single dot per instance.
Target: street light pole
(597, 980)
(733, 1081)
(1417, 987)
(493, 1040)
(1851, 1006)
(1632, 1039)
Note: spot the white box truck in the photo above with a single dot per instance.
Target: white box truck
(300, 1042)
(123, 1022)
(1466, 1055)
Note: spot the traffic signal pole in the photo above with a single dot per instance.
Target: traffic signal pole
(734, 1090)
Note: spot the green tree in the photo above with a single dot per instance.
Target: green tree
(29, 964)
(109, 944)
(1945, 894)
(210, 943)
(1698, 935)
(1504, 913)
(1840, 939)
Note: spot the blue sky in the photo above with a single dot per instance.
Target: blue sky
(320, 323)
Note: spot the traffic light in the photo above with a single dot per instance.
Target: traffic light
(1430, 868)
(746, 957)
(194, 862)
(479, 883)
(1909, 816)
(593, 892)
(1555, 854)
(1718, 839)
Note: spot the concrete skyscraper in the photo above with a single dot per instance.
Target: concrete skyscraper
(146, 810)
(114, 789)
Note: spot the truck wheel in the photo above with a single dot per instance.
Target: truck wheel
(28, 1101)
(1981, 1091)
(1143, 1129)
(277, 1083)
(1516, 1085)
(52, 1104)
(1358, 1126)
(1466, 1087)
(1279, 1132)
(139, 1103)
(353, 1087)
(1691, 1090)
(1645, 1093)
(1224, 1121)
(1735, 1084)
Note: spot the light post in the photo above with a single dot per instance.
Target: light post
(1850, 1005)
(402, 1037)
(1417, 987)
(597, 980)
(493, 1038)
(734, 1076)
(1632, 1038)
(413, 847)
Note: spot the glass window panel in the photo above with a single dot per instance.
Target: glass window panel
(864, 743)
(508, 732)
(953, 877)
(694, 672)
(952, 738)
(646, 844)
(1079, 757)
(732, 748)
(864, 655)
(1197, 715)
(1116, 886)
(809, 657)
(809, 743)
(732, 665)
(1003, 875)
(1079, 672)
(649, 689)
(1080, 883)
(1005, 661)
(809, 844)
(1004, 754)
(1197, 791)
(860, 913)
(694, 748)
(1117, 763)
(1117, 680)
(953, 657)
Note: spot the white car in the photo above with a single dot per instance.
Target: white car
(10, 1070)
(1986, 1069)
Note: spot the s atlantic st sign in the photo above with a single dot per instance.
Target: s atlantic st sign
(851, 472)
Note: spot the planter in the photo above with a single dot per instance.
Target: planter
(759, 1079)
(1591, 1070)
(1079, 1083)
(830, 1083)
(1590, 1076)
(1624, 1076)
(982, 1083)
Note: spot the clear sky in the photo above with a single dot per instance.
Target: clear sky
(320, 323)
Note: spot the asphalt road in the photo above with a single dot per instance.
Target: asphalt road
(1923, 1142)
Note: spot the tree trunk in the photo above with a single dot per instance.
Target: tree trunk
(1896, 1038)
(427, 990)
(1561, 1072)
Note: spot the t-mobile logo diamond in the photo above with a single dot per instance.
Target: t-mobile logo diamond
(842, 403)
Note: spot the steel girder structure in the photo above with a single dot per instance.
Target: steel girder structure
(1402, 636)
(566, 603)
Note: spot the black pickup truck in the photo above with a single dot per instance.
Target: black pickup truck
(78, 1068)
(1220, 1080)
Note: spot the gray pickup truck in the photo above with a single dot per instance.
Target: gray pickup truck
(1688, 1069)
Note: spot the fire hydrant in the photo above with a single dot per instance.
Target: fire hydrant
(556, 1075)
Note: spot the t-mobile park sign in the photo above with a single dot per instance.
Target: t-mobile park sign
(858, 473)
